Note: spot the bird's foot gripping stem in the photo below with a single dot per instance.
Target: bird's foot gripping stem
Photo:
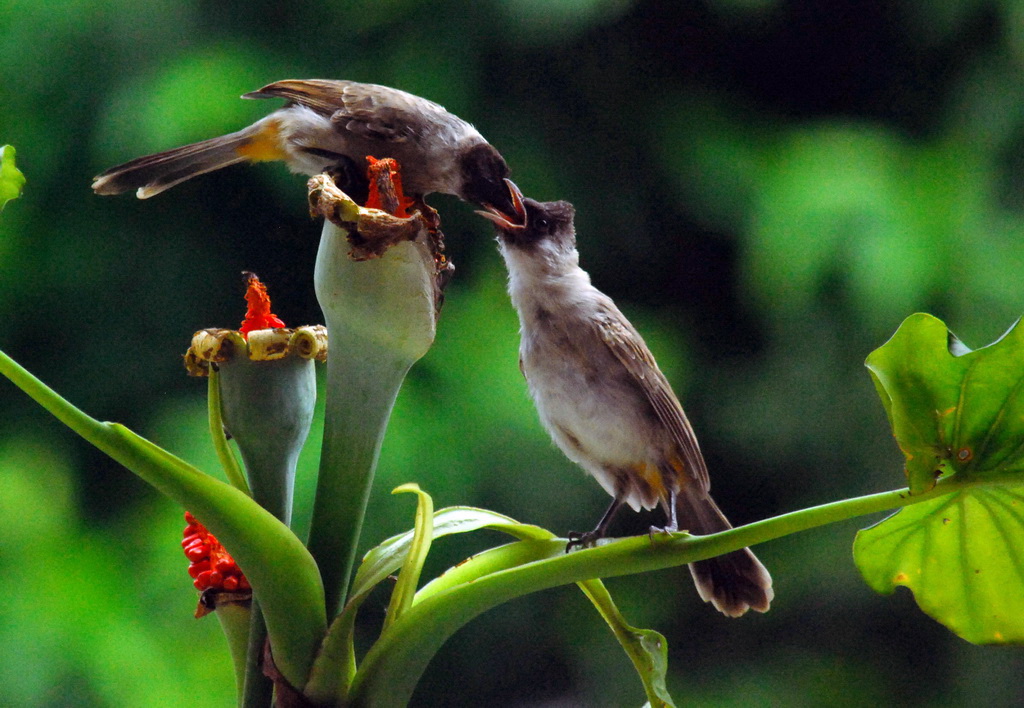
(589, 539)
(586, 539)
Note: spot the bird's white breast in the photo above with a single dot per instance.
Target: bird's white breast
(584, 396)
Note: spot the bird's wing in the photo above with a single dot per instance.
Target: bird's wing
(629, 348)
(369, 111)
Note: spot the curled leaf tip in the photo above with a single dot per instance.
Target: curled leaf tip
(407, 488)
(258, 314)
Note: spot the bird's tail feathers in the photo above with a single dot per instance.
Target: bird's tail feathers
(153, 174)
(733, 583)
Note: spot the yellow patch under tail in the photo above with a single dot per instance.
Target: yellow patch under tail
(650, 482)
(265, 146)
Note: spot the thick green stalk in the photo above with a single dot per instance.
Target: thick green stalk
(392, 667)
(381, 318)
(361, 393)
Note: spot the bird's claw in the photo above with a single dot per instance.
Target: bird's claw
(665, 531)
(586, 539)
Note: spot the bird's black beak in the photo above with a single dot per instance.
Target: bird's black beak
(507, 222)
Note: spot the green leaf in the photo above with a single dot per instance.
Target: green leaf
(284, 577)
(412, 566)
(958, 416)
(11, 179)
(952, 410)
(960, 555)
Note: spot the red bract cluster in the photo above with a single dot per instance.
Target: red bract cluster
(211, 567)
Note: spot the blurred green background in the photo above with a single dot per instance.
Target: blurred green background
(766, 187)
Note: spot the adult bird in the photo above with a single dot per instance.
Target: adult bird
(334, 126)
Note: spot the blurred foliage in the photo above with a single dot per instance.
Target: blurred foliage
(767, 187)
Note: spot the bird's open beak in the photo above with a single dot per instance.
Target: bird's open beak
(507, 222)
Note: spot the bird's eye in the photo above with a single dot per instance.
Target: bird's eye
(542, 224)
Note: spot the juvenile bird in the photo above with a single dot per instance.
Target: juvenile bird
(604, 401)
(335, 125)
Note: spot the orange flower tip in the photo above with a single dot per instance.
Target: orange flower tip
(385, 192)
(196, 554)
(257, 314)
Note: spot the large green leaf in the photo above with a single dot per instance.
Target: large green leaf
(958, 416)
(11, 179)
(952, 410)
(961, 556)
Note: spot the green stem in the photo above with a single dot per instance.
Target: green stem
(89, 428)
(267, 406)
(644, 647)
(259, 690)
(394, 664)
(220, 442)
(362, 390)
(234, 621)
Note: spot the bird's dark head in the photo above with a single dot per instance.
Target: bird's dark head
(483, 171)
(530, 223)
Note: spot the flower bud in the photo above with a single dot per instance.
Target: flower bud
(267, 392)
